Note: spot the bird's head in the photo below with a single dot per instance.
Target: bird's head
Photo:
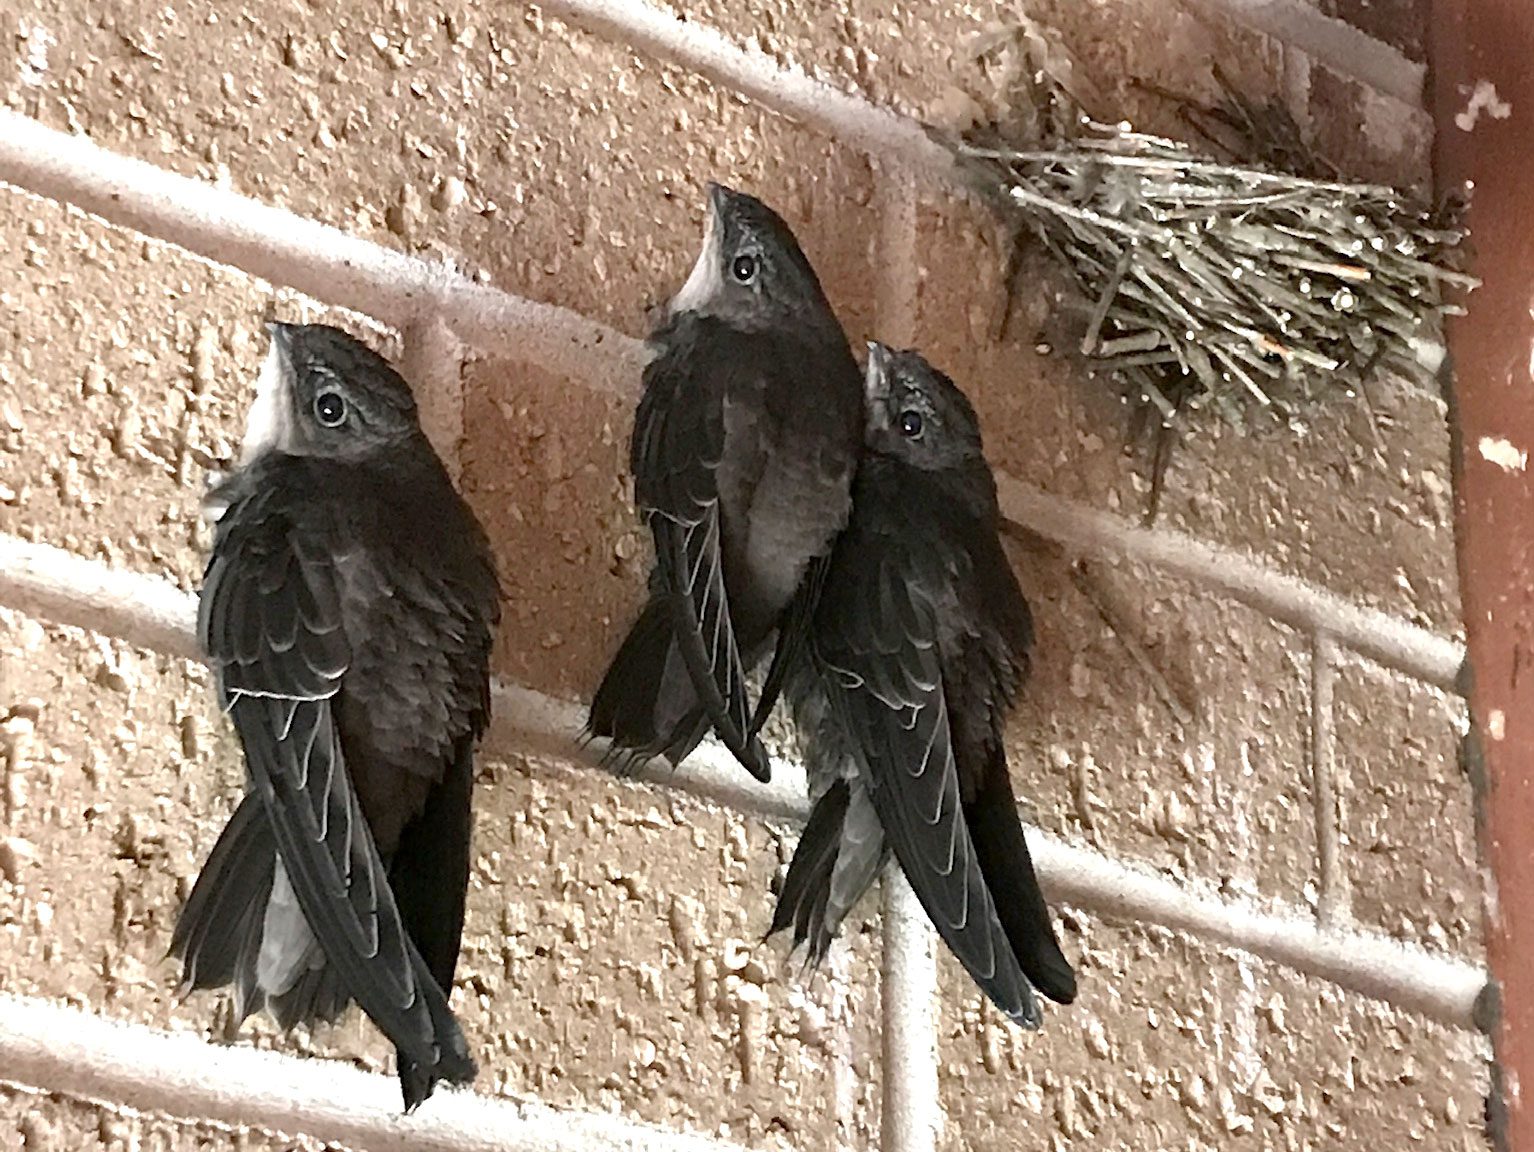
(324, 393)
(916, 414)
(751, 272)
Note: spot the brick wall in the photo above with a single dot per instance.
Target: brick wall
(1264, 848)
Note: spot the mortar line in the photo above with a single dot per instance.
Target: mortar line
(1244, 1060)
(148, 611)
(282, 247)
(1331, 42)
(846, 117)
(339, 269)
(912, 1113)
(898, 264)
(65, 1050)
(432, 363)
(1376, 635)
(860, 123)
(844, 1078)
(1332, 898)
(911, 1116)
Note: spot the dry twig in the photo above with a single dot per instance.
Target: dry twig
(1214, 283)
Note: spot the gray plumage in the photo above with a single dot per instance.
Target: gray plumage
(918, 647)
(743, 452)
(347, 611)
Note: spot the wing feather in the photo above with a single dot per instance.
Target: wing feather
(677, 448)
(272, 622)
(877, 643)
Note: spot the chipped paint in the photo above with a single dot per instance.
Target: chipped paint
(1483, 98)
(1496, 724)
(1503, 454)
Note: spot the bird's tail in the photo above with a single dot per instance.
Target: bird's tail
(219, 934)
(837, 858)
(429, 875)
(807, 887)
(243, 905)
(645, 706)
(452, 1062)
(997, 835)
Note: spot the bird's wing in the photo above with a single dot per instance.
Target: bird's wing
(793, 629)
(876, 640)
(678, 445)
(271, 620)
(989, 671)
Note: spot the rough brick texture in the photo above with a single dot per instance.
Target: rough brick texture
(38, 1122)
(1242, 1057)
(611, 959)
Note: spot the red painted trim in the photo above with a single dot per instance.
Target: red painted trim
(1486, 45)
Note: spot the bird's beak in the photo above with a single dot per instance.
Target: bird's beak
(718, 198)
(268, 423)
(703, 282)
(876, 375)
(281, 336)
(876, 385)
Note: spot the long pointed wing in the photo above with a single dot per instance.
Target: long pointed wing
(678, 444)
(271, 619)
(877, 643)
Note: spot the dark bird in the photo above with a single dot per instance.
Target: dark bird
(743, 451)
(915, 655)
(347, 612)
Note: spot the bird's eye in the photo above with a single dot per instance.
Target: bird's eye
(330, 409)
(743, 268)
(910, 423)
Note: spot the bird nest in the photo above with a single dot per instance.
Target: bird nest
(1253, 289)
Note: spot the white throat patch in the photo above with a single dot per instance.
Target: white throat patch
(267, 422)
(704, 282)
